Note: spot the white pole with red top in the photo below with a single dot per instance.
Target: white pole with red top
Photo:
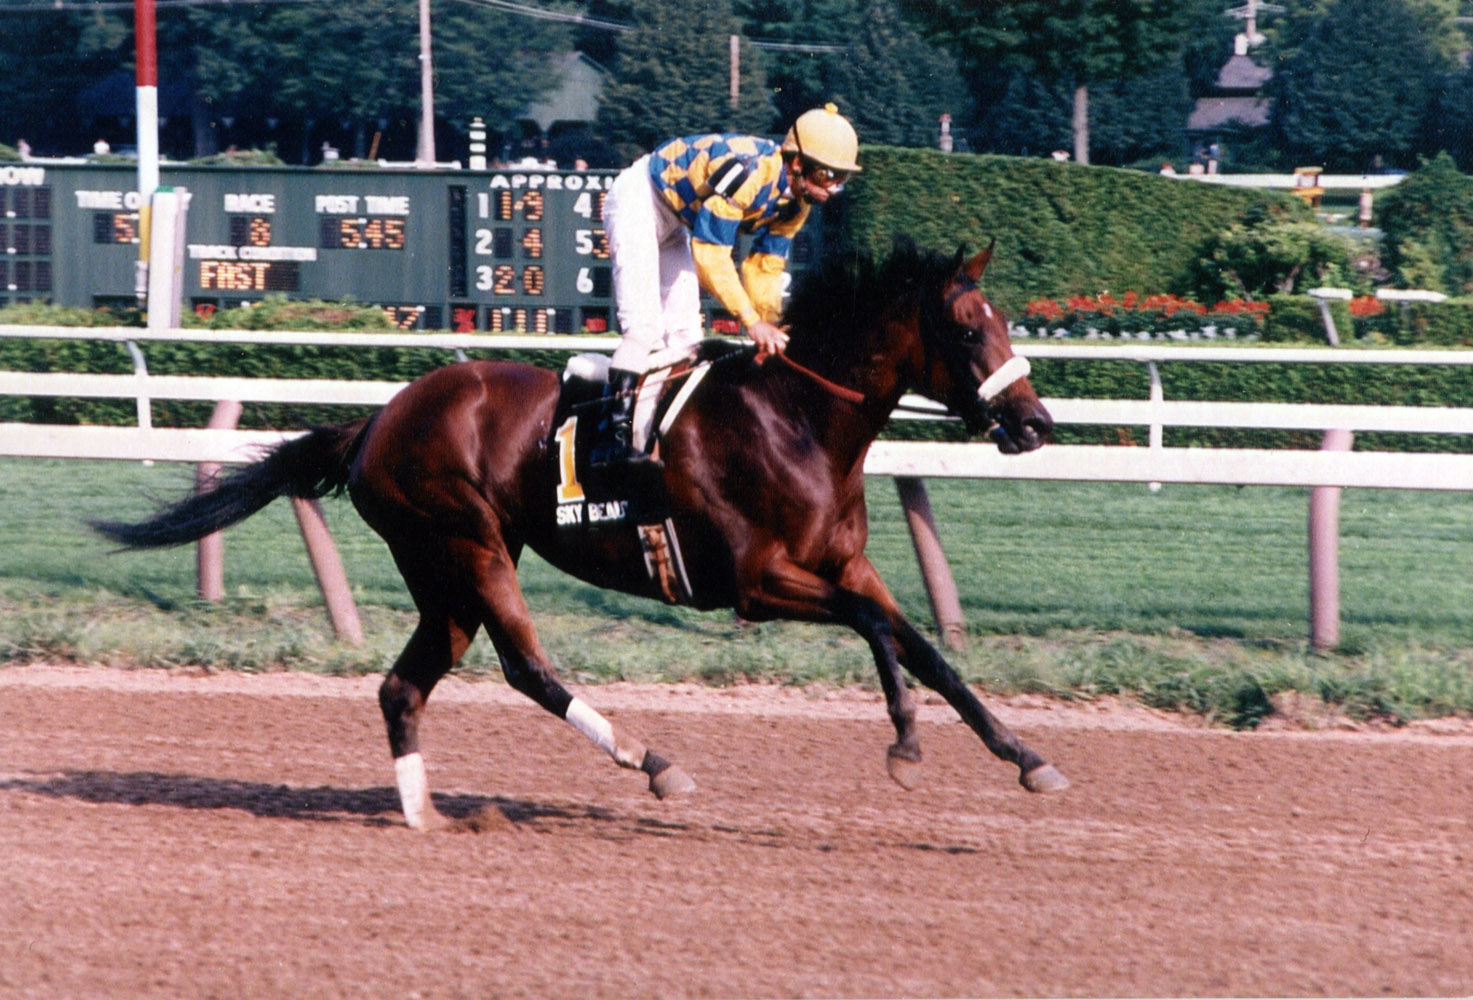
(146, 55)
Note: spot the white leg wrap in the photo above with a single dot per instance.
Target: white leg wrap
(591, 724)
(414, 788)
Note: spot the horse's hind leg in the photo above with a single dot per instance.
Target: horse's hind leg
(528, 670)
(437, 643)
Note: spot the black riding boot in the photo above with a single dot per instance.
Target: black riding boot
(613, 444)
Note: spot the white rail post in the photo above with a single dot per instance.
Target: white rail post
(1324, 553)
(209, 552)
(935, 571)
(1324, 296)
(1157, 436)
(166, 257)
(142, 404)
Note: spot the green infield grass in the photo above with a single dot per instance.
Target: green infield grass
(1190, 598)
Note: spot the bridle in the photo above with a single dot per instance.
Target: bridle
(981, 413)
(1013, 370)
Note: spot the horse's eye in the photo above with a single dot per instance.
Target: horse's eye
(970, 336)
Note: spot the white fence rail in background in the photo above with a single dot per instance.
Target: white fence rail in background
(908, 462)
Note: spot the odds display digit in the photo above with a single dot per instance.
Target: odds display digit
(537, 250)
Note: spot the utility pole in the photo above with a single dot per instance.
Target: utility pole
(424, 156)
(1248, 13)
(735, 45)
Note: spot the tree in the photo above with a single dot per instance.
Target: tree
(1428, 221)
(352, 64)
(1029, 119)
(1140, 117)
(1355, 82)
(798, 78)
(1452, 118)
(893, 84)
(47, 58)
(672, 76)
(360, 62)
(1073, 43)
(1129, 120)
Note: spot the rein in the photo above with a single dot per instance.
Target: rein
(832, 388)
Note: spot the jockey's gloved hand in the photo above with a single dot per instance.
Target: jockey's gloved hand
(769, 338)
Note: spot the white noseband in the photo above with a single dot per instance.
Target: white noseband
(1013, 369)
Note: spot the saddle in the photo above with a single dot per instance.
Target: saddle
(592, 503)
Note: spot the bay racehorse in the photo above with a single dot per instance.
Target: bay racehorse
(764, 489)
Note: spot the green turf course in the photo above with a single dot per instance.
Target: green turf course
(1192, 598)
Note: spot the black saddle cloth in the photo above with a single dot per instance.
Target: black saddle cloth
(591, 500)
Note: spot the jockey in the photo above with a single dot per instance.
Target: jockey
(672, 219)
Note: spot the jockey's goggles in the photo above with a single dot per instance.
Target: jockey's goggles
(829, 179)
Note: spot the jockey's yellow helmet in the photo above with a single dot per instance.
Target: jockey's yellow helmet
(825, 137)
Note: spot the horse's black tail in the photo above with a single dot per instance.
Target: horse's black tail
(309, 466)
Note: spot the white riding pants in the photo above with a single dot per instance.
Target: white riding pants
(657, 295)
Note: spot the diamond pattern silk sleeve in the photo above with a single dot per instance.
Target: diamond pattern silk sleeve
(722, 185)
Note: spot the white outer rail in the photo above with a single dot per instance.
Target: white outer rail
(909, 462)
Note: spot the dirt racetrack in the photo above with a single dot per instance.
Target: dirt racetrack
(176, 835)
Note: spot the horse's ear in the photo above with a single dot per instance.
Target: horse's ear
(978, 264)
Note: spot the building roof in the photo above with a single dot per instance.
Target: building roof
(1242, 73)
(575, 98)
(1217, 112)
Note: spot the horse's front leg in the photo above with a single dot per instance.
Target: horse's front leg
(1034, 773)
(789, 591)
(922, 659)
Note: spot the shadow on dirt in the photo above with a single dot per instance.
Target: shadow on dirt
(379, 807)
(370, 806)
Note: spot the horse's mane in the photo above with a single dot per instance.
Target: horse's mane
(847, 291)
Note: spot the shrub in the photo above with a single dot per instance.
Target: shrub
(278, 313)
(241, 158)
(1428, 222)
(1431, 324)
(1269, 256)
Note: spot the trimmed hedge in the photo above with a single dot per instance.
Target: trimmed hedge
(1061, 229)
(243, 360)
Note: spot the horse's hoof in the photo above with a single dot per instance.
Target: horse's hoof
(904, 767)
(672, 781)
(1045, 778)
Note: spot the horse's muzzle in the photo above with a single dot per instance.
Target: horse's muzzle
(1026, 435)
(1021, 427)
(1015, 426)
